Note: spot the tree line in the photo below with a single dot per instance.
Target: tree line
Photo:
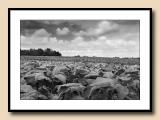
(40, 52)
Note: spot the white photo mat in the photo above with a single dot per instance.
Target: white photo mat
(17, 104)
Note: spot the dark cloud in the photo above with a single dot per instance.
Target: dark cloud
(112, 29)
(33, 25)
(29, 27)
(88, 29)
(127, 22)
(30, 24)
(51, 26)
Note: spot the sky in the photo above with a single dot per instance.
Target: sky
(101, 38)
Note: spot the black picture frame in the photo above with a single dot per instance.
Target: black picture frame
(102, 9)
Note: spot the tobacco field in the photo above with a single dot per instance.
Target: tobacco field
(48, 79)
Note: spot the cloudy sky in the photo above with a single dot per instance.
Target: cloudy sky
(102, 38)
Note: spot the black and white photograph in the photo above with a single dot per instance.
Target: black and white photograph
(72, 60)
(80, 60)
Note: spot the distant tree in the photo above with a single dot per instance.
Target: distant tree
(77, 56)
(48, 52)
(40, 52)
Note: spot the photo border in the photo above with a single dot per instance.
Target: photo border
(9, 59)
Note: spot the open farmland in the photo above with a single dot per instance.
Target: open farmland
(115, 60)
(79, 78)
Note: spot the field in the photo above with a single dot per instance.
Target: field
(115, 60)
(79, 78)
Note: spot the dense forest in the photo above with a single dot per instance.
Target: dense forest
(40, 52)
